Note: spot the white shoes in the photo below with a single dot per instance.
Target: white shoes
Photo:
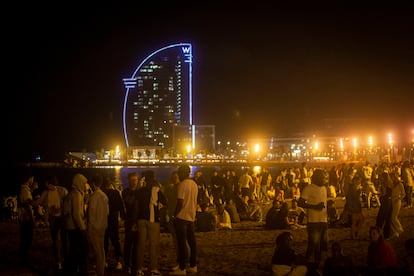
(178, 272)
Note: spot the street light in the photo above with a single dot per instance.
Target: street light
(390, 142)
(355, 143)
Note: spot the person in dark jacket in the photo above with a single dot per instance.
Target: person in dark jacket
(150, 200)
(116, 211)
(131, 230)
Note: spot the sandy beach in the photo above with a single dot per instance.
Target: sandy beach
(245, 250)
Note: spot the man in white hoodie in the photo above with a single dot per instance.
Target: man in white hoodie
(75, 224)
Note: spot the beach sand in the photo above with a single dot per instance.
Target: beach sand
(244, 250)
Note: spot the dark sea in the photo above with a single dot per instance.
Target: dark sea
(118, 174)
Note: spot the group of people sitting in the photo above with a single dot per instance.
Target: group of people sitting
(381, 258)
(281, 216)
(221, 215)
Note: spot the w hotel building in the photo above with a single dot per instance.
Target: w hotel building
(158, 102)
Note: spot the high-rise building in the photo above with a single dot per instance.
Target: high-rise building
(159, 97)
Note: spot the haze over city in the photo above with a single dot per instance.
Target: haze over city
(259, 71)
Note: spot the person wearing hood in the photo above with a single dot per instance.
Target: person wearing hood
(75, 224)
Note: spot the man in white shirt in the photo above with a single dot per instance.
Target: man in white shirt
(314, 199)
(184, 218)
(98, 210)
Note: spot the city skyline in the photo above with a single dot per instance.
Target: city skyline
(258, 71)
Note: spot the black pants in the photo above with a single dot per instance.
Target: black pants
(384, 216)
(186, 235)
(26, 239)
(130, 247)
(78, 252)
(112, 234)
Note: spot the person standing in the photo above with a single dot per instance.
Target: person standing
(383, 219)
(185, 215)
(407, 176)
(52, 200)
(98, 210)
(116, 211)
(150, 200)
(314, 198)
(131, 230)
(244, 183)
(354, 206)
(265, 179)
(397, 196)
(76, 227)
(170, 192)
(26, 218)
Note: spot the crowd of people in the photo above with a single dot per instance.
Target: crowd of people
(84, 220)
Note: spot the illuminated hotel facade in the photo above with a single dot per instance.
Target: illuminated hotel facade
(159, 98)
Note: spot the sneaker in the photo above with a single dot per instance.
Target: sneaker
(118, 266)
(192, 269)
(177, 267)
(179, 272)
(155, 272)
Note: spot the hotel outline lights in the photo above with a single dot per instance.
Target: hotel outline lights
(138, 110)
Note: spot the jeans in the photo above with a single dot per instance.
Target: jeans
(186, 234)
(130, 247)
(317, 240)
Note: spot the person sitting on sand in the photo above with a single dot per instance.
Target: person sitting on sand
(230, 207)
(381, 255)
(223, 218)
(205, 219)
(255, 211)
(242, 207)
(285, 261)
(277, 216)
(338, 263)
(333, 213)
(296, 214)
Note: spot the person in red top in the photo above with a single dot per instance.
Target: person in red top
(381, 256)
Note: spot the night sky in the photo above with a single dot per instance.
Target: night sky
(258, 71)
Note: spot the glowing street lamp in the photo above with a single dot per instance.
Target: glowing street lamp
(355, 144)
(390, 142)
(370, 141)
(257, 150)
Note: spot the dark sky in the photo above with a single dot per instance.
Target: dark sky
(258, 70)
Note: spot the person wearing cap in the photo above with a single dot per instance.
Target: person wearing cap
(314, 198)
